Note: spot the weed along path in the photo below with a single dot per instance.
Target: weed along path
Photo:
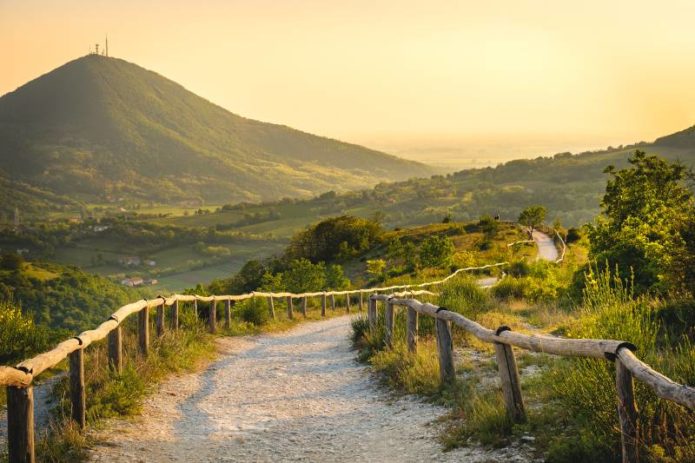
(293, 396)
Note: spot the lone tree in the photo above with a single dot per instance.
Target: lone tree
(532, 216)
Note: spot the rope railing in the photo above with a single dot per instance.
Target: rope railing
(627, 365)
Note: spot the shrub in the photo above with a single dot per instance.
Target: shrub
(20, 337)
(436, 251)
(463, 295)
(509, 288)
(254, 311)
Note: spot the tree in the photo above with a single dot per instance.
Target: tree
(646, 224)
(532, 216)
(335, 278)
(302, 276)
(11, 261)
(436, 251)
(376, 267)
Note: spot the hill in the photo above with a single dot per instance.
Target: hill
(98, 129)
(569, 185)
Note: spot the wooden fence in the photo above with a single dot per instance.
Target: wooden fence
(18, 380)
(627, 365)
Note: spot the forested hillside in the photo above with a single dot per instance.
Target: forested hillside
(101, 129)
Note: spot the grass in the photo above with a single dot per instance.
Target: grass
(570, 403)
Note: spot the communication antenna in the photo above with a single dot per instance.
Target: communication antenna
(97, 48)
(107, 45)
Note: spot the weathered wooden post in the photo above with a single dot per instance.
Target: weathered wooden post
(347, 303)
(323, 304)
(212, 317)
(361, 301)
(20, 424)
(304, 303)
(175, 315)
(371, 314)
(228, 314)
(447, 373)
(160, 320)
(144, 331)
(77, 392)
(195, 308)
(627, 413)
(509, 376)
(290, 308)
(412, 337)
(271, 306)
(388, 323)
(115, 344)
(332, 301)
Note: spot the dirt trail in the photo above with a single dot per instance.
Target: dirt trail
(546, 246)
(294, 396)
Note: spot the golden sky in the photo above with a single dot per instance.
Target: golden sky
(619, 70)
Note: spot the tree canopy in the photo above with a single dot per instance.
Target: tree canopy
(647, 224)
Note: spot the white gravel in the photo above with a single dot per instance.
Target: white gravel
(546, 246)
(294, 396)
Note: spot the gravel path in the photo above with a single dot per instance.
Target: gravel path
(293, 396)
(546, 246)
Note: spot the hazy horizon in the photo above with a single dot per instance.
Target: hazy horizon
(444, 83)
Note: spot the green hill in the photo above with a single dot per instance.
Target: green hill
(569, 185)
(98, 129)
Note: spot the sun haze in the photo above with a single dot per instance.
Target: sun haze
(592, 71)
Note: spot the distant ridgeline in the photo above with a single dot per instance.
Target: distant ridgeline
(98, 129)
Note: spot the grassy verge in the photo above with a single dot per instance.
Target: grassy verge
(570, 402)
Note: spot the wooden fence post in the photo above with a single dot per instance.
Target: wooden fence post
(509, 376)
(304, 303)
(290, 308)
(228, 314)
(447, 373)
(361, 301)
(195, 308)
(212, 317)
(332, 301)
(371, 314)
(160, 321)
(175, 316)
(115, 343)
(388, 324)
(20, 424)
(347, 303)
(627, 413)
(412, 330)
(323, 304)
(144, 331)
(77, 391)
(271, 306)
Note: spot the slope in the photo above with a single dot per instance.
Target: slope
(100, 128)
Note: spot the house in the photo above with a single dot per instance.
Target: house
(150, 263)
(130, 261)
(152, 281)
(132, 282)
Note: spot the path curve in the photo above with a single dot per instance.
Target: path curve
(294, 396)
(546, 246)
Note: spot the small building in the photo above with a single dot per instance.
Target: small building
(130, 261)
(132, 282)
(150, 263)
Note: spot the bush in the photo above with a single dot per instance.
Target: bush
(573, 235)
(510, 288)
(463, 295)
(610, 311)
(20, 337)
(254, 311)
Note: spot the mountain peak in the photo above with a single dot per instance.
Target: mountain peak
(100, 126)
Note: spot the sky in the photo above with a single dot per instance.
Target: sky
(386, 72)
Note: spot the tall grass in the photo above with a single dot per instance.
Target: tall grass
(585, 389)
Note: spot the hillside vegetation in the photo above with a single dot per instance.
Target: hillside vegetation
(101, 129)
